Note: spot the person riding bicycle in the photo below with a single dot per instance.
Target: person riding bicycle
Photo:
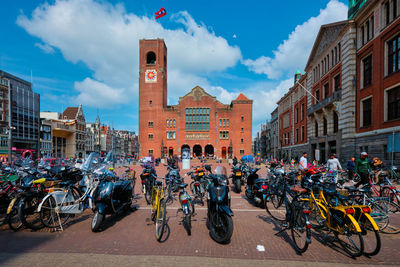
(363, 169)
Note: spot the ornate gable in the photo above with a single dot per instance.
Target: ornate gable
(197, 93)
(327, 34)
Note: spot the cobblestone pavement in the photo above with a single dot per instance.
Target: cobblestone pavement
(133, 235)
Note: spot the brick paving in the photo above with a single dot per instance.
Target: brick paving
(133, 235)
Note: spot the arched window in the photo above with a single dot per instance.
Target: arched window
(316, 128)
(174, 123)
(325, 126)
(151, 58)
(167, 123)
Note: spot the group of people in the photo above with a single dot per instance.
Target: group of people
(362, 166)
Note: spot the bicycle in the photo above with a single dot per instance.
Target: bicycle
(158, 208)
(296, 217)
(336, 218)
(385, 212)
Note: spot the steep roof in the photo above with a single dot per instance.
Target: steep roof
(70, 113)
(241, 97)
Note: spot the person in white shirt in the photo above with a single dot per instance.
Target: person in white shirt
(303, 161)
(333, 163)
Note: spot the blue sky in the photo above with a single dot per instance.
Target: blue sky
(86, 51)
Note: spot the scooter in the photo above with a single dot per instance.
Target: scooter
(111, 196)
(219, 213)
(256, 188)
(236, 177)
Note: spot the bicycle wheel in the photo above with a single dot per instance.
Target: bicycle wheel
(371, 237)
(161, 219)
(386, 215)
(351, 241)
(13, 220)
(301, 234)
(28, 214)
(187, 223)
(275, 207)
(390, 194)
(318, 215)
(50, 218)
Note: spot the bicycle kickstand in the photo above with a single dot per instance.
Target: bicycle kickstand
(282, 230)
(326, 236)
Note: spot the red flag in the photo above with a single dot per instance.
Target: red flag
(161, 13)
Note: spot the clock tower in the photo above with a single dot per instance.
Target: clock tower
(152, 94)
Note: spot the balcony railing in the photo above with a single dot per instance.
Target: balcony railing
(336, 96)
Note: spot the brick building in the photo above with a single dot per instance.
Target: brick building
(199, 121)
(292, 115)
(378, 77)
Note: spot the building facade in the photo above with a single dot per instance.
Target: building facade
(46, 138)
(378, 79)
(3, 118)
(198, 122)
(330, 74)
(292, 116)
(73, 116)
(25, 119)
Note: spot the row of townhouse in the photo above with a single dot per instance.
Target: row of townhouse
(68, 135)
(348, 100)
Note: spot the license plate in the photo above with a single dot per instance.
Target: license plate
(238, 174)
(201, 174)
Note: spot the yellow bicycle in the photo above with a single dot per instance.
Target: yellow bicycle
(158, 208)
(340, 220)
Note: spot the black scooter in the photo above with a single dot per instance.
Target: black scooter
(236, 177)
(111, 196)
(219, 213)
(256, 189)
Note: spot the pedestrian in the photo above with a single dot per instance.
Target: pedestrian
(362, 169)
(303, 161)
(350, 168)
(235, 161)
(376, 166)
(333, 163)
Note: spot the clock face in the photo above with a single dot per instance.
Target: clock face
(151, 76)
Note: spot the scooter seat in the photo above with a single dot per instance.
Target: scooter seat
(182, 185)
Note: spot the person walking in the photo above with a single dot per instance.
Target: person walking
(350, 168)
(303, 161)
(333, 163)
(362, 169)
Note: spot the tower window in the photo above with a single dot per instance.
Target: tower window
(151, 103)
(151, 58)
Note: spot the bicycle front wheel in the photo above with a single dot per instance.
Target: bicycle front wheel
(301, 233)
(351, 241)
(275, 206)
(28, 214)
(161, 219)
(49, 215)
(386, 215)
(372, 239)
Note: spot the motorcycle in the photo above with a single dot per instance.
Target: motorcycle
(111, 196)
(236, 177)
(148, 176)
(256, 188)
(187, 208)
(198, 185)
(219, 213)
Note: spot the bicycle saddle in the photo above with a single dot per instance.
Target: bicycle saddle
(182, 185)
(298, 189)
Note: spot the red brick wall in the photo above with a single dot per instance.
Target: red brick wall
(379, 81)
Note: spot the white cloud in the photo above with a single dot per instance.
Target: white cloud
(293, 53)
(45, 48)
(106, 38)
